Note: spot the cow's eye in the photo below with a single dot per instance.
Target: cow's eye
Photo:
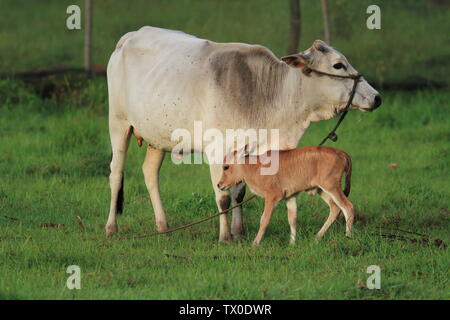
(225, 168)
(338, 66)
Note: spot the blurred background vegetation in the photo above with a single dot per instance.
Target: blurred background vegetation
(412, 47)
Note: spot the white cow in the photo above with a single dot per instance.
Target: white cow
(160, 80)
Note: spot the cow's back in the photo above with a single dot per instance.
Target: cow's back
(154, 80)
(149, 54)
(161, 80)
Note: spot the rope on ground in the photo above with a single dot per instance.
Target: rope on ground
(187, 225)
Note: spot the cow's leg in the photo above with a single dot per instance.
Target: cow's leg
(334, 212)
(237, 195)
(120, 136)
(150, 168)
(223, 201)
(291, 204)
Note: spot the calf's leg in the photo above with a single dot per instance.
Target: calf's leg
(345, 205)
(269, 206)
(291, 205)
(334, 212)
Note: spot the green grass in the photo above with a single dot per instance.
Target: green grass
(411, 45)
(54, 165)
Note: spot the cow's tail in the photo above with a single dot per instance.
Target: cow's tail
(348, 174)
(120, 197)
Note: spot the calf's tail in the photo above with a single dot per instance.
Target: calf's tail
(348, 174)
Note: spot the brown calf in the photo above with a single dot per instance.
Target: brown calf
(314, 169)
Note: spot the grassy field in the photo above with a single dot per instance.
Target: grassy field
(54, 164)
(410, 47)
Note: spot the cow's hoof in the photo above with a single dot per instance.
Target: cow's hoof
(225, 242)
(110, 229)
(237, 232)
(162, 227)
(238, 237)
(225, 239)
(162, 230)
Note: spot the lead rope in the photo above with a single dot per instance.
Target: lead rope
(188, 224)
(332, 135)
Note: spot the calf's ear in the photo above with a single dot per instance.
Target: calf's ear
(296, 60)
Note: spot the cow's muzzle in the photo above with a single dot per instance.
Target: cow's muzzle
(375, 104)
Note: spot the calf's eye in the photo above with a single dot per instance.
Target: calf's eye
(225, 168)
(338, 65)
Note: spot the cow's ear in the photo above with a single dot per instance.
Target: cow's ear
(296, 60)
(247, 150)
(320, 46)
(230, 157)
(242, 153)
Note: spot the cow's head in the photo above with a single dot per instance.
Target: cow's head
(330, 94)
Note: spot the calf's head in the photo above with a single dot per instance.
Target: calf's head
(231, 172)
(330, 94)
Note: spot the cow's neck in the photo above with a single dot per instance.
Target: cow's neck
(294, 115)
(298, 109)
(293, 111)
